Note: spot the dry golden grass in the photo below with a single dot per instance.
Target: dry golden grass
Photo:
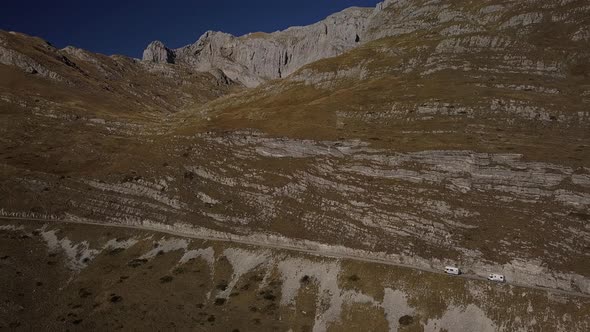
(118, 290)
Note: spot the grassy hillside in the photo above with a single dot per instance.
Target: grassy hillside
(89, 277)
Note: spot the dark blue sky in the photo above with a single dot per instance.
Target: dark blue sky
(126, 27)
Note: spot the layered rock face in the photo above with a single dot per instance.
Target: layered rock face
(255, 58)
(426, 209)
(157, 52)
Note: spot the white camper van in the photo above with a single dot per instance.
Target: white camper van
(452, 270)
(496, 277)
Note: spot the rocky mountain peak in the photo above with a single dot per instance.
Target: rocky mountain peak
(257, 57)
(158, 52)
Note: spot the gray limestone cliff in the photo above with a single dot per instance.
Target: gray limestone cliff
(254, 58)
(258, 57)
(157, 52)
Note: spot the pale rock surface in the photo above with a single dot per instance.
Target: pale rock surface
(157, 52)
(254, 58)
(12, 58)
(259, 57)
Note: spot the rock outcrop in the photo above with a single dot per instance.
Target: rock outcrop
(12, 58)
(143, 85)
(254, 58)
(157, 52)
(258, 57)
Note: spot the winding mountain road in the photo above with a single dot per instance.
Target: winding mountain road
(316, 252)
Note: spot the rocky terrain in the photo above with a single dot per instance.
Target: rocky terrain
(94, 82)
(257, 57)
(417, 133)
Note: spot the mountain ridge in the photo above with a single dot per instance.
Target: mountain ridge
(257, 57)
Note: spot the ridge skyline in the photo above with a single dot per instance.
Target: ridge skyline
(129, 28)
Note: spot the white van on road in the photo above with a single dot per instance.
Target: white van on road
(496, 277)
(452, 270)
